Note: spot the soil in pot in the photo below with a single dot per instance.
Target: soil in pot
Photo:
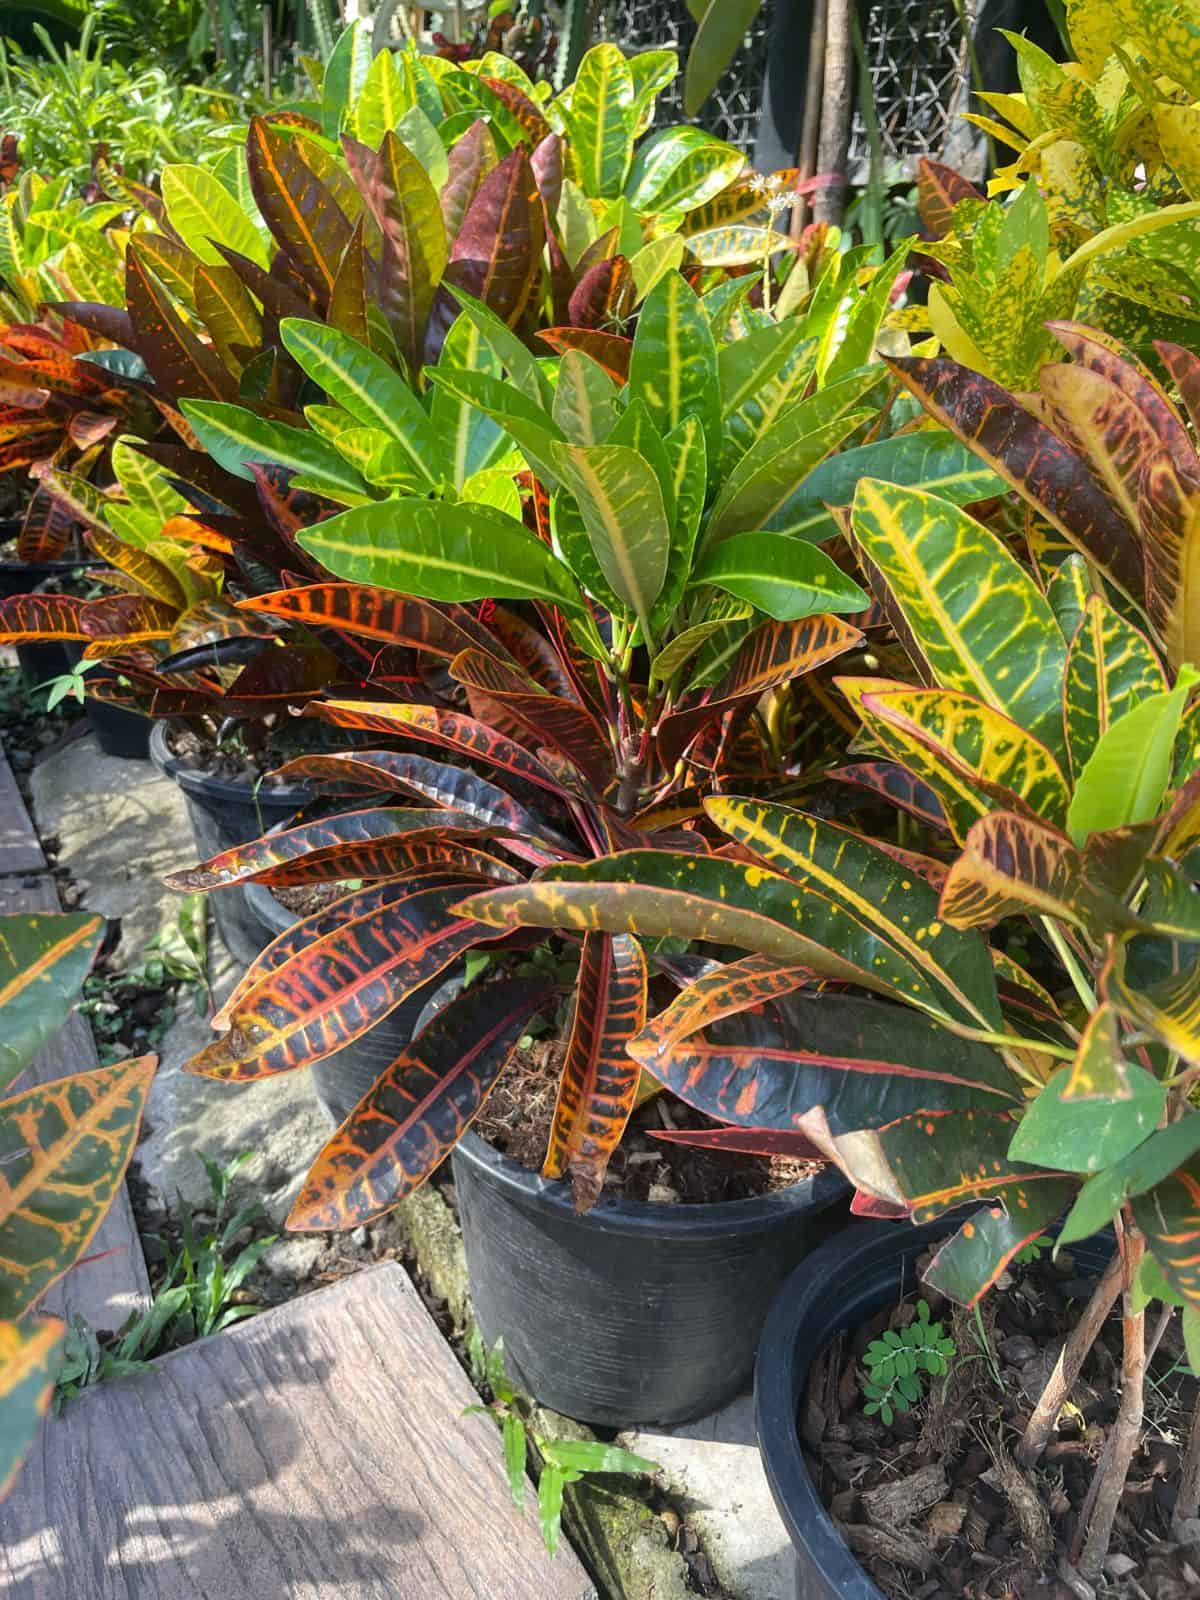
(516, 1120)
(225, 810)
(930, 1501)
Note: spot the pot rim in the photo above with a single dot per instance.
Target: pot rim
(715, 1219)
(785, 1356)
(194, 778)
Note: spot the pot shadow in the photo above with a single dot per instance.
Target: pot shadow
(235, 1469)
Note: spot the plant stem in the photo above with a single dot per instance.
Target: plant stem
(1126, 1432)
(1068, 1366)
(1187, 1502)
(1069, 960)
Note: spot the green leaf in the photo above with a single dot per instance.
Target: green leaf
(1149, 1165)
(345, 75)
(441, 551)
(673, 365)
(970, 613)
(856, 346)
(773, 467)
(369, 389)
(520, 365)
(584, 399)
(1191, 1337)
(621, 502)
(967, 1265)
(680, 168)
(1127, 775)
(723, 26)
(550, 1495)
(1082, 1135)
(601, 120)
(469, 440)
(44, 958)
(201, 209)
(684, 645)
(1150, 1284)
(932, 460)
(785, 577)
(593, 1455)
(514, 1456)
(235, 437)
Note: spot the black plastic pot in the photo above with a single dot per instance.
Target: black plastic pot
(341, 1080)
(24, 577)
(41, 661)
(118, 732)
(837, 1289)
(224, 814)
(632, 1313)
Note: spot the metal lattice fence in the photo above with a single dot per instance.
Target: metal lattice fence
(916, 49)
(731, 111)
(919, 61)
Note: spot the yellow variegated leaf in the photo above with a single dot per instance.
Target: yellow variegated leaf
(975, 759)
(968, 611)
(1111, 667)
(1178, 129)
(30, 1354)
(1156, 984)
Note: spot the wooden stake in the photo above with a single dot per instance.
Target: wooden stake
(833, 146)
(806, 156)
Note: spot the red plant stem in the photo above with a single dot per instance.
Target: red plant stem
(1069, 1365)
(1127, 1430)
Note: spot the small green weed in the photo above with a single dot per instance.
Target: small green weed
(196, 1297)
(130, 1011)
(563, 1460)
(68, 685)
(900, 1363)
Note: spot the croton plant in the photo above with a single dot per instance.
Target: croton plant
(1028, 1035)
(668, 606)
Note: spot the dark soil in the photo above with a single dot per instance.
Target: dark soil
(306, 899)
(517, 1117)
(956, 1519)
(234, 759)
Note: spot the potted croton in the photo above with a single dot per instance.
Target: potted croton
(605, 603)
(992, 1005)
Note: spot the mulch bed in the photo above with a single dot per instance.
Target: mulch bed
(934, 1507)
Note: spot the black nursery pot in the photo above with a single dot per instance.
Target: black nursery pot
(23, 577)
(224, 814)
(341, 1080)
(835, 1290)
(632, 1313)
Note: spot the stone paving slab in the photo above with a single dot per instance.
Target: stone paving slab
(712, 1468)
(317, 1452)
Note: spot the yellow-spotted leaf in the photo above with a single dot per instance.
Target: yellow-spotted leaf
(601, 121)
(971, 614)
(30, 1355)
(673, 365)
(1111, 667)
(871, 885)
(973, 758)
(64, 1147)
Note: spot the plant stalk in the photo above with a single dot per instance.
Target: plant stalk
(833, 147)
(1187, 1502)
(1127, 1430)
(810, 131)
(1069, 960)
(1069, 1365)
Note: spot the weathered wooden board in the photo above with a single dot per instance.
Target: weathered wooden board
(111, 1282)
(317, 1452)
(19, 847)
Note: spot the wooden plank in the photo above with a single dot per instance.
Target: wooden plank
(317, 1452)
(111, 1283)
(19, 847)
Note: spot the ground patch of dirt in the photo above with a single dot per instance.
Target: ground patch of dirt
(933, 1505)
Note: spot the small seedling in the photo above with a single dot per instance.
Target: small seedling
(900, 1364)
(563, 1460)
(1034, 1250)
(68, 685)
(194, 1300)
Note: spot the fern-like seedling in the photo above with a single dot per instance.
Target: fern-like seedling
(900, 1364)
